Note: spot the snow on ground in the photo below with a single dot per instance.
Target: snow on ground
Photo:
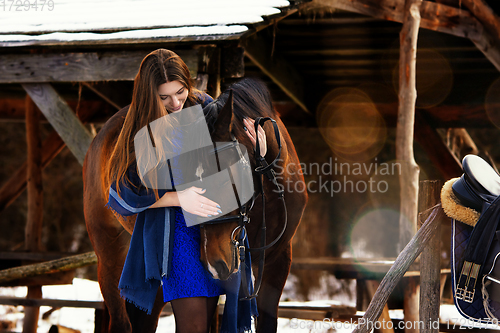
(77, 318)
(83, 319)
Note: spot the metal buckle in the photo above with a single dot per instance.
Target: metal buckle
(465, 288)
(469, 296)
(459, 293)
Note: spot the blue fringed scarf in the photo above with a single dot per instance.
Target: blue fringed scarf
(151, 243)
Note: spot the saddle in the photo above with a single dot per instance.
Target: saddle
(473, 203)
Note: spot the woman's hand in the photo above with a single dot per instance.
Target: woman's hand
(192, 201)
(250, 130)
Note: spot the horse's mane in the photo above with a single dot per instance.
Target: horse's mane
(251, 99)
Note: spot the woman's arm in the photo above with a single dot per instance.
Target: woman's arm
(169, 199)
(191, 200)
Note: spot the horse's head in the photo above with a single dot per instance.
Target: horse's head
(218, 252)
(225, 119)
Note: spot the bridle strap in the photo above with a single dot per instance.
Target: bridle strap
(263, 169)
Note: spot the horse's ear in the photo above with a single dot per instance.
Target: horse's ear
(225, 117)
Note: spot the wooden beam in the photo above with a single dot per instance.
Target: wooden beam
(12, 109)
(79, 67)
(260, 52)
(489, 41)
(457, 116)
(482, 27)
(349, 268)
(104, 97)
(438, 153)
(489, 46)
(62, 118)
(384, 319)
(314, 312)
(121, 42)
(54, 266)
(57, 303)
(440, 116)
(483, 12)
(434, 16)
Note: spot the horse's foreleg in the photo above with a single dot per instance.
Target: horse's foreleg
(108, 281)
(273, 281)
(111, 245)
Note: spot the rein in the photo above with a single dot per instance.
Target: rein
(239, 242)
(268, 171)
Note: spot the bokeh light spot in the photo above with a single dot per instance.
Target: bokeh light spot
(434, 78)
(375, 234)
(351, 124)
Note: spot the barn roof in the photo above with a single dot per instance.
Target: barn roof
(49, 22)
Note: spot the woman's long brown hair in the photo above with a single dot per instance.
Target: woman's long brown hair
(158, 67)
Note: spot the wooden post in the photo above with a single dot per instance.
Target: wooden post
(410, 304)
(430, 263)
(33, 235)
(209, 63)
(408, 179)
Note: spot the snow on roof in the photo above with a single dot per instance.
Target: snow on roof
(99, 20)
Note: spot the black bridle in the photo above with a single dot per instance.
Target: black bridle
(239, 234)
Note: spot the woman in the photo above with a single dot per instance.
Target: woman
(163, 86)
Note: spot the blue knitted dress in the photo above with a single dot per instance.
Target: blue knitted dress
(188, 277)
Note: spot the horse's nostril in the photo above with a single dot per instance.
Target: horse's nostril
(222, 269)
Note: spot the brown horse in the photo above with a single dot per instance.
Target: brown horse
(111, 236)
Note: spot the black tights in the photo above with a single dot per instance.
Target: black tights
(194, 314)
